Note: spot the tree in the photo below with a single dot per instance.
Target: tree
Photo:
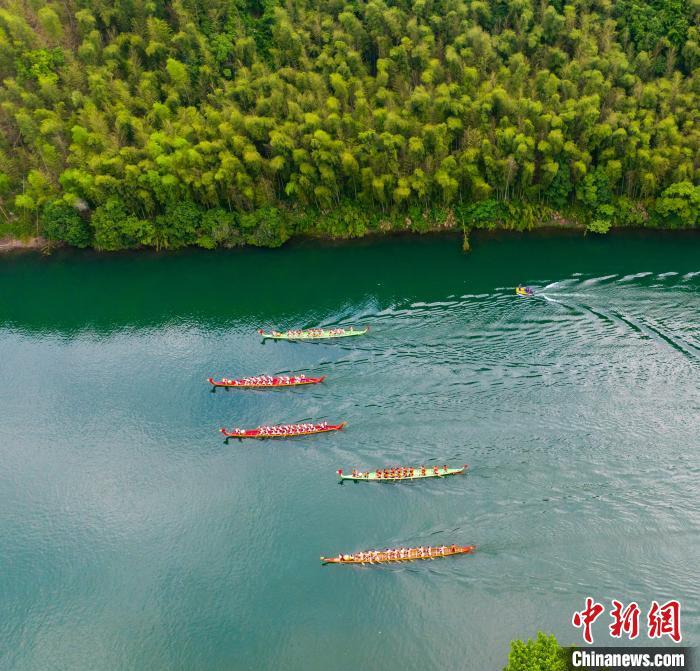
(541, 654)
(352, 115)
(114, 228)
(35, 194)
(63, 223)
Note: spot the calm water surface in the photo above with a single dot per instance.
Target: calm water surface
(131, 537)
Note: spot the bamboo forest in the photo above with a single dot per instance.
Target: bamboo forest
(172, 123)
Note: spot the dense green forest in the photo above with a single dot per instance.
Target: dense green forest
(167, 123)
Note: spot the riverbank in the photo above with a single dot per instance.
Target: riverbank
(341, 225)
(569, 228)
(9, 244)
(479, 236)
(186, 224)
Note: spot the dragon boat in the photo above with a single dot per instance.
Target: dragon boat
(399, 555)
(265, 382)
(282, 431)
(524, 291)
(314, 334)
(401, 473)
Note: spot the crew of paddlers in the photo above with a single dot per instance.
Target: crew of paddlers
(266, 380)
(397, 472)
(286, 429)
(401, 472)
(397, 554)
(311, 333)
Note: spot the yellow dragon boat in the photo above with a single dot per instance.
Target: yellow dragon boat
(399, 554)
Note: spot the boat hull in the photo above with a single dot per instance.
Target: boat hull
(255, 433)
(417, 475)
(276, 384)
(322, 334)
(383, 557)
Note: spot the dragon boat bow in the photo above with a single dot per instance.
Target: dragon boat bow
(399, 555)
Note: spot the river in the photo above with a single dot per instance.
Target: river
(131, 537)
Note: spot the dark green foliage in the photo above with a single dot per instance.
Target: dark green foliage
(485, 214)
(559, 190)
(218, 227)
(62, 223)
(345, 221)
(542, 654)
(233, 122)
(265, 227)
(178, 227)
(654, 26)
(116, 229)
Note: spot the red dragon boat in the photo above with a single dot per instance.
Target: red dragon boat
(399, 554)
(283, 430)
(265, 381)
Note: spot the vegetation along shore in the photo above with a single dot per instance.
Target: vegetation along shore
(229, 122)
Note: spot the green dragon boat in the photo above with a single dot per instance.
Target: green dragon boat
(402, 473)
(314, 334)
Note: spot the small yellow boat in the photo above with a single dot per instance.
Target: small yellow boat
(524, 291)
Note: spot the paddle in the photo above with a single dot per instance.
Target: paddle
(310, 419)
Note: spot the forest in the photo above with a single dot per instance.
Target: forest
(170, 123)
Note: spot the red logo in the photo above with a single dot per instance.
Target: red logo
(626, 620)
(665, 620)
(662, 620)
(587, 617)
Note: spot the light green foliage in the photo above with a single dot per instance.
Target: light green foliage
(680, 204)
(224, 123)
(599, 226)
(541, 654)
(50, 22)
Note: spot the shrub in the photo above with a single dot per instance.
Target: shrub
(62, 223)
(542, 654)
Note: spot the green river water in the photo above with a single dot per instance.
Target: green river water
(131, 537)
